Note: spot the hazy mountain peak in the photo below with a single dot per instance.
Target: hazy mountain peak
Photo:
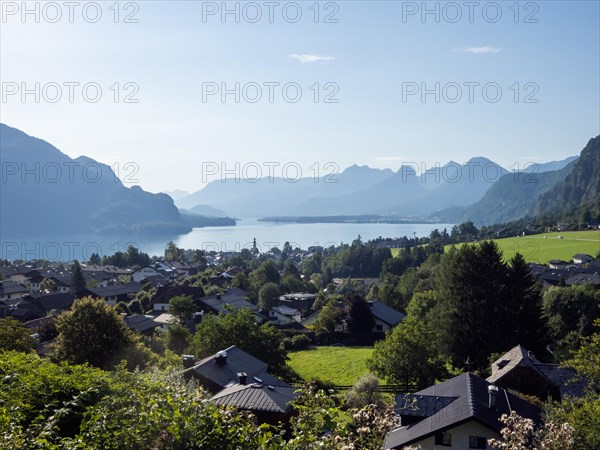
(480, 160)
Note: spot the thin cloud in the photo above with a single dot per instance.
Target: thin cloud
(310, 58)
(478, 50)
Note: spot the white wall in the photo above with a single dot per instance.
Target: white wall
(460, 437)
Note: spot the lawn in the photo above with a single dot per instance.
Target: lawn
(340, 365)
(536, 248)
(539, 249)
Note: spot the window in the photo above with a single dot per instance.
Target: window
(443, 439)
(477, 442)
(379, 327)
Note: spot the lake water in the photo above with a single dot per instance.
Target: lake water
(234, 238)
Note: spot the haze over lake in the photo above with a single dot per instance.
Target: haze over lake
(235, 238)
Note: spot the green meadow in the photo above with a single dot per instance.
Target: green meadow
(339, 365)
(541, 248)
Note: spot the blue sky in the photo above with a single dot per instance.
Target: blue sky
(370, 57)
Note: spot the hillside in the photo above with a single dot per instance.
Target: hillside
(46, 193)
(513, 196)
(580, 190)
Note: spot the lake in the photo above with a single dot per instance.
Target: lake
(268, 235)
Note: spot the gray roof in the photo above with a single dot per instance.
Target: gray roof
(452, 403)
(257, 397)
(11, 287)
(385, 313)
(237, 361)
(583, 278)
(285, 310)
(117, 289)
(583, 256)
(233, 297)
(516, 356)
(58, 301)
(565, 378)
(141, 323)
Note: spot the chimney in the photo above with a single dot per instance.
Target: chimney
(492, 394)
(188, 361)
(242, 377)
(221, 358)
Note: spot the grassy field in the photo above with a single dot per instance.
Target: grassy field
(536, 248)
(541, 248)
(340, 365)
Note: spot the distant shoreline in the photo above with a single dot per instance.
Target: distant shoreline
(347, 219)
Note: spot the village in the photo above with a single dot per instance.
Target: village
(464, 411)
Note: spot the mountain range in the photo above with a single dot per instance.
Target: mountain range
(44, 192)
(450, 192)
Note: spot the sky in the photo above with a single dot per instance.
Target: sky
(175, 94)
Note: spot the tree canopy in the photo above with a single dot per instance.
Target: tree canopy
(239, 328)
(92, 332)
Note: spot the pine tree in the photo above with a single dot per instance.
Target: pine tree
(77, 280)
(524, 323)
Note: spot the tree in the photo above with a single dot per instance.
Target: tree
(360, 318)
(182, 307)
(135, 307)
(77, 280)
(15, 336)
(173, 253)
(91, 332)
(524, 308)
(95, 259)
(570, 313)
(239, 328)
(407, 355)
(364, 392)
(472, 281)
(48, 285)
(199, 258)
(268, 295)
(265, 273)
(178, 338)
(583, 413)
(328, 319)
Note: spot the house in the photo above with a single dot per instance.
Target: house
(144, 272)
(583, 278)
(518, 369)
(384, 316)
(11, 290)
(218, 371)
(300, 300)
(115, 293)
(282, 315)
(112, 271)
(581, 258)
(270, 404)
(557, 264)
(23, 313)
(459, 413)
(164, 320)
(142, 324)
(55, 301)
(233, 297)
(155, 280)
(183, 269)
(160, 301)
(168, 272)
